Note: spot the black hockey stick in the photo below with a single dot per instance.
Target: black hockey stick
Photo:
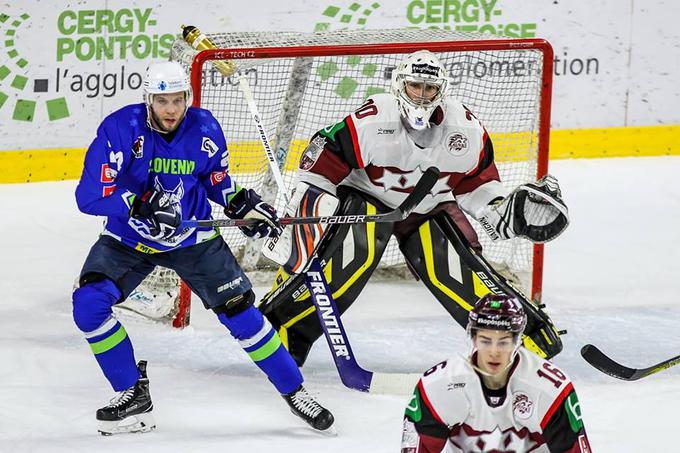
(421, 189)
(599, 360)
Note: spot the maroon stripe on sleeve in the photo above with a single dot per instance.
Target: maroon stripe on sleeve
(556, 404)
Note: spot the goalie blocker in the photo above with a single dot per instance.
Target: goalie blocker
(431, 243)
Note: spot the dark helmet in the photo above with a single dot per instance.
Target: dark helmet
(497, 312)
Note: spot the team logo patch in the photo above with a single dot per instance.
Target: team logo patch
(108, 190)
(457, 144)
(138, 147)
(209, 146)
(217, 177)
(312, 152)
(108, 174)
(522, 406)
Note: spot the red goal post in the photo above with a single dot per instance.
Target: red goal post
(507, 83)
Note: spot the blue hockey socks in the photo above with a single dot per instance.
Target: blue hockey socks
(259, 339)
(107, 337)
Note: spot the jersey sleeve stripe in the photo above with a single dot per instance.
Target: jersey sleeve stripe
(483, 157)
(556, 404)
(355, 141)
(426, 401)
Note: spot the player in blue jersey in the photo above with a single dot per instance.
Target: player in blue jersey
(150, 166)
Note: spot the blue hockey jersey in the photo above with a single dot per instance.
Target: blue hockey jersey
(128, 158)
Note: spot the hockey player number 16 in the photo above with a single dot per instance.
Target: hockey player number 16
(553, 374)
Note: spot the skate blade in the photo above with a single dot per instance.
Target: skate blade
(140, 423)
(329, 432)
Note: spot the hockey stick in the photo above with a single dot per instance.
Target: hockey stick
(602, 362)
(227, 68)
(421, 189)
(351, 374)
(257, 119)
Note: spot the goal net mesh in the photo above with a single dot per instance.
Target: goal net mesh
(297, 95)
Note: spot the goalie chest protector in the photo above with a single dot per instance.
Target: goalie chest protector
(392, 158)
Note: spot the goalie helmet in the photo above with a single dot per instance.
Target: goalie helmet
(421, 67)
(497, 312)
(166, 78)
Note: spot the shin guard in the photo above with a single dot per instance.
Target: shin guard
(257, 337)
(106, 336)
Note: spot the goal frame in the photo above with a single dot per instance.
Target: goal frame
(543, 135)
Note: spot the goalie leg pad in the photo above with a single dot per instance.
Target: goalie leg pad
(106, 336)
(261, 342)
(351, 254)
(297, 243)
(457, 275)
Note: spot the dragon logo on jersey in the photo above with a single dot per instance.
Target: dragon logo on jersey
(522, 406)
(457, 144)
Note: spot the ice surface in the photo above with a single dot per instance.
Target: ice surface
(610, 279)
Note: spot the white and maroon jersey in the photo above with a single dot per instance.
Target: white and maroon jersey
(537, 411)
(373, 151)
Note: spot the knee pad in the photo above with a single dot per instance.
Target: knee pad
(92, 304)
(247, 325)
(237, 304)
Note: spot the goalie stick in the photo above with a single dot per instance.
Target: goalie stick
(421, 189)
(602, 362)
(351, 374)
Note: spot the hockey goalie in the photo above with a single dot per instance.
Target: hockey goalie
(367, 164)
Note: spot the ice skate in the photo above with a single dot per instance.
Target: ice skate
(130, 411)
(305, 406)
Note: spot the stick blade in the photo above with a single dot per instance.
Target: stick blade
(421, 189)
(599, 360)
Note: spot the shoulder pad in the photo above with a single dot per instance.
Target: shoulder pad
(446, 386)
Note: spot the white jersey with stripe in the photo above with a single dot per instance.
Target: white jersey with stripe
(453, 398)
(390, 158)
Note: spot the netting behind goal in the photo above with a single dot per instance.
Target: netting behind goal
(303, 82)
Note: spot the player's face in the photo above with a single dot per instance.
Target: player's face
(421, 92)
(494, 350)
(167, 111)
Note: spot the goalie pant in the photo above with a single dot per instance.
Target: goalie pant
(537, 410)
(429, 243)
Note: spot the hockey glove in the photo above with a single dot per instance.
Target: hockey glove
(163, 216)
(247, 204)
(534, 211)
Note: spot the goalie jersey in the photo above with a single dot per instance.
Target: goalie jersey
(128, 158)
(537, 411)
(373, 151)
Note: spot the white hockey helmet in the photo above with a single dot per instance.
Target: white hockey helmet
(166, 78)
(421, 67)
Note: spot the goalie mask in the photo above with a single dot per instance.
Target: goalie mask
(165, 78)
(500, 313)
(419, 84)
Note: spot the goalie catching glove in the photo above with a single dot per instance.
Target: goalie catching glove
(247, 204)
(534, 211)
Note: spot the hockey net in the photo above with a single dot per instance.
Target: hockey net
(302, 82)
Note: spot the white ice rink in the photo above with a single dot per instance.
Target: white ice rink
(611, 280)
